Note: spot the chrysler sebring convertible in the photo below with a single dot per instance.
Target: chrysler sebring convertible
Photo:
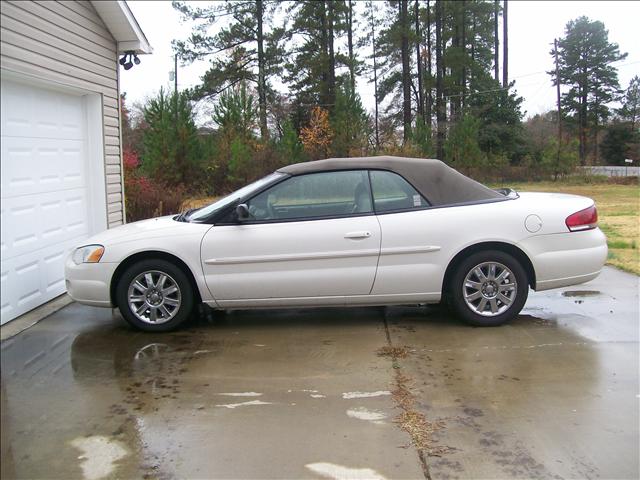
(342, 232)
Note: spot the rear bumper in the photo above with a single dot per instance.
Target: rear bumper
(89, 283)
(564, 259)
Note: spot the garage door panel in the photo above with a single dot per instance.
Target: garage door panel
(33, 112)
(39, 165)
(44, 190)
(31, 222)
(29, 280)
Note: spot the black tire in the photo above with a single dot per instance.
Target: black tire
(184, 293)
(457, 289)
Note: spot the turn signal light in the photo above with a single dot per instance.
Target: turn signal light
(583, 220)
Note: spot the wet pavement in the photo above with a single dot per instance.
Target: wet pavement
(307, 393)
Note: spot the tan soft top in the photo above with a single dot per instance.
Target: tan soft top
(438, 183)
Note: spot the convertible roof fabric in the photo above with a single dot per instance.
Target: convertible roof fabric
(438, 183)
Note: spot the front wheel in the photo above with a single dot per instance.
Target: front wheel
(154, 295)
(489, 288)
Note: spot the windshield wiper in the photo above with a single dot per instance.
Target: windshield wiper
(184, 216)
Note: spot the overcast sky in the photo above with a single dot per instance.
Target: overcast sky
(532, 27)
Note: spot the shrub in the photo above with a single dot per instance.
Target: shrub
(146, 198)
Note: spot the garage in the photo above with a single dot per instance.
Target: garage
(61, 162)
(46, 201)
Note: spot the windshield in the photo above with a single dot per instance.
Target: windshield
(245, 191)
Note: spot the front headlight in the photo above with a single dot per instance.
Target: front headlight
(88, 254)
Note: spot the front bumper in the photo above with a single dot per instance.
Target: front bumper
(565, 259)
(89, 283)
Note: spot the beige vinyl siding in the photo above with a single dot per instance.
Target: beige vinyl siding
(66, 42)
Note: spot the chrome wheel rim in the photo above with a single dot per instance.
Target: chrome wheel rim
(154, 297)
(489, 289)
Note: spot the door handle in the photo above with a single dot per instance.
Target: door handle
(357, 235)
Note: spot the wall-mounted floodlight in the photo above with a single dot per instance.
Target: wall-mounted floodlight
(128, 59)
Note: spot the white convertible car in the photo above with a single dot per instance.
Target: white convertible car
(357, 231)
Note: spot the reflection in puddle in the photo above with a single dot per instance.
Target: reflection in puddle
(331, 470)
(245, 404)
(99, 455)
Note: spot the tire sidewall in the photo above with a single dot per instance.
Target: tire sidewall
(456, 296)
(186, 292)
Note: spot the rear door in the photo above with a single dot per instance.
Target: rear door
(412, 239)
(309, 236)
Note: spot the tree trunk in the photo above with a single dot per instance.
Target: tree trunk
(496, 41)
(455, 68)
(332, 59)
(262, 84)
(352, 66)
(440, 111)
(596, 131)
(463, 81)
(375, 74)
(505, 46)
(429, 76)
(473, 47)
(406, 72)
(324, 48)
(583, 124)
(419, 63)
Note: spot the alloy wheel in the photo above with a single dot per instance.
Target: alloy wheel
(154, 297)
(489, 289)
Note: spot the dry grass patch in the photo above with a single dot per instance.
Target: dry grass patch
(414, 422)
(393, 352)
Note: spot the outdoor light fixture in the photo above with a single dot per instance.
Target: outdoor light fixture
(128, 59)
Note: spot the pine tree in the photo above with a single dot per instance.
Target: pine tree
(242, 50)
(585, 66)
(170, 141)
(462, 148)
(349, 121)
(313, 59)
(630, 110)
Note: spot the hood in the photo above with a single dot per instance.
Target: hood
(147, 229)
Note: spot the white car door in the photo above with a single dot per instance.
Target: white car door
(307, 237)
(411, 263)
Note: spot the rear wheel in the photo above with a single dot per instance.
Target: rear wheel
(489, 288)
(154, 295)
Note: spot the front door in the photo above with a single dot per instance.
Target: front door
(309, 236)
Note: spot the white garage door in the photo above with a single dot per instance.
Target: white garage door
(45, 207)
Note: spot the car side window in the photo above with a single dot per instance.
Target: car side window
(391, 193)
(316, 195)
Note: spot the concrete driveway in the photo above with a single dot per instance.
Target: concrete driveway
(331, 393)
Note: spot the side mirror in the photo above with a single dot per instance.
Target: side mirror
(242, 212)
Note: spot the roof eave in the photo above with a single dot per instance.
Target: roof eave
(124, 27)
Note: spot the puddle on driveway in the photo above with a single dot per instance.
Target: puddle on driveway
(192, 403)
(581, 293)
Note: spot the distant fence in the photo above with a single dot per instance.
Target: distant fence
(613, 171)
(534, 174)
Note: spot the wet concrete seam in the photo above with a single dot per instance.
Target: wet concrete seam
(398, 381)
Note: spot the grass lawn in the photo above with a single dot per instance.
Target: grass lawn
(618, 214)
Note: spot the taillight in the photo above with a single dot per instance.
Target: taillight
(583, 220)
